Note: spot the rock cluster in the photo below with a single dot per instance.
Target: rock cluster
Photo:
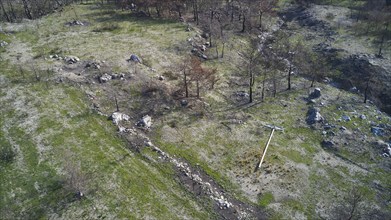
(117, 117)
(95, 65)
(134, 58)
(75, 23)
(315, 94)
(145, 122)
(377, 131)
(71, 59)
(199, 45)
(56, 57)
(3, 44)
(110, 76)
(314, 116)
(387, 151)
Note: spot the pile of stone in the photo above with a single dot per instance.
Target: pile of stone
(3, 44)
(315, 94)
(75, 23)
(134, 58)
(71, 59)
(56, 57)
(111, 76)
(200, 46)
(145, 122)
(387, 151)
(94, 65)
(314, 116)
(117, 117)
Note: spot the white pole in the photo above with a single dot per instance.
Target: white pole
(264, 152)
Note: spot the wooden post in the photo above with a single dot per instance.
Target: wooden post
(116, 103)
(264, 151)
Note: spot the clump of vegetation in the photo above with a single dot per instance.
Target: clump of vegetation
(7, 154)
(266, 199)
(108, 28)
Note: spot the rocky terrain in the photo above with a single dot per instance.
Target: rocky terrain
(94, 124)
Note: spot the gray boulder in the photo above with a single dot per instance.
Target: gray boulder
(363, 117)
(345, 118)
(314, 116)
(315, 94)
(184, 103)
(135, 58)
(377, 131)
(105, 78)
(3, 44)
(71, 59)
(117, 117)
(145, 122)
(328, 144)
(387, 151)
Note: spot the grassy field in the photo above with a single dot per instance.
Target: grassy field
(48, 126)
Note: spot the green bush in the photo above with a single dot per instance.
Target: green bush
(266, 199)
(108, 28)
(7, 154)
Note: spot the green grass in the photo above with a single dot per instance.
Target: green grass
(266, 199)
(120, 184)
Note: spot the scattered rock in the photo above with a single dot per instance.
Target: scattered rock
(327, 127)
(161, 78)
(114, 76)
(184, 102)
(315, 94)
(354, 89)
(345, 118)
(94, 65)
(205, 35)
(134, 58)
(75, 23)
(342, 128)
(387, 151)
(148, 144)
(314, 116)
(145, 122)
(377, 131)
(242, 94)
(328, 144)
(117, 117)
(203, 56)
(203, 48)
(363, 117)
(207, 44)
(194, 50)
(71, 59)
(105, 78)
(3, 44)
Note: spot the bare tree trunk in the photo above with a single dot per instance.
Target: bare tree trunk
(263, 89)
(252, 81)
(260, 20)
(243, 24)
(366, 92)
(12, 10)
(382, 40)
(4, 11)
(312, 81)
(222, 50)
(274, 87)
(289, 76)
(198, 89)
(185, 83)
(27, 10)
